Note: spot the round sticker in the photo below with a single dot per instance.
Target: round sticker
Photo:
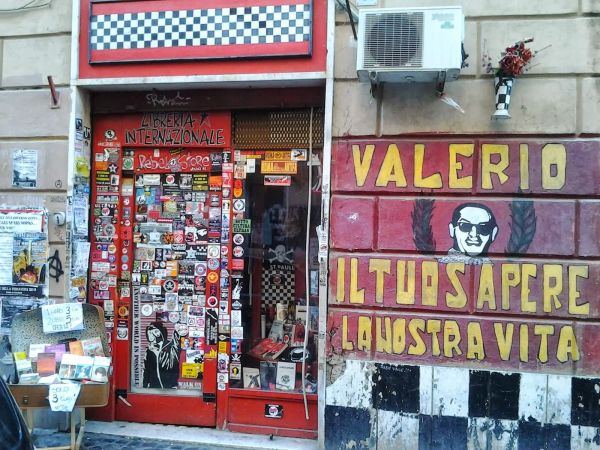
(122, 332)
(170, 179)
(182, 329)
(170, 285)
(212, 301)
(213, 263)
(212, 277)
(112, 248)
(105, 211)
(239, 205)
(123, 311)
(103, 285)
(126, 201)
(174, 316)
(213, 251)
(124, 266)
(124, 258)
(224, 250)
(238, 251)
(108, 229)
(147, 309)
(238, 239)
(200, 269)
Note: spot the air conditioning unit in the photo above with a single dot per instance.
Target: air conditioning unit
(409, 44)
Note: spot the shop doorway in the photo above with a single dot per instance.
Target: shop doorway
(205, 262)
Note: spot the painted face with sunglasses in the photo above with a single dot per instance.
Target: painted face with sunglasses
(473, 229)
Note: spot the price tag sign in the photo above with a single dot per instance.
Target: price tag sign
(62, 397)
(62, 317)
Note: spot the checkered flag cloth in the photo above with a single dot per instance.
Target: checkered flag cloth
(278, 285)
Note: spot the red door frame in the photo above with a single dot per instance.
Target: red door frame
(183, 410)
(109, 133)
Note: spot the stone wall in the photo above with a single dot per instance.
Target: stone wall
(36, 43)
(559, 95)
(432, 345)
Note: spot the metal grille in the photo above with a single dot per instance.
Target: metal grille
(263, 130)
(393, 40)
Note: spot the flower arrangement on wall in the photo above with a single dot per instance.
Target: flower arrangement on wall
(513, 62)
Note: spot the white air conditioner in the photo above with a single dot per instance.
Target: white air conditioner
(409, 44)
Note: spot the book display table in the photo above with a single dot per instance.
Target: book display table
(26, 330)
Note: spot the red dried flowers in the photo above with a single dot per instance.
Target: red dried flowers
(513, 61)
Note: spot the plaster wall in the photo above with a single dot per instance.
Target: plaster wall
(558, 95)
(34, 44)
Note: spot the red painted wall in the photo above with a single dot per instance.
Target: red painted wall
(473, 252)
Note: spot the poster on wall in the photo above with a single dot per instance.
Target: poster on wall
(23, 262)
(23, 259)
(22, 220)
(25, 168)
(156, 347)
(9, 307)
(30, 252)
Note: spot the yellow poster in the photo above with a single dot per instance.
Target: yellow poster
(279, 167)
(191, 370)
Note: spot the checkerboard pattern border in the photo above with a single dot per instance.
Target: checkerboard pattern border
(418, 407)
(276, 24)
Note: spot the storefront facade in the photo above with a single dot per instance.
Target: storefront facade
(205, 190)
(416, 344)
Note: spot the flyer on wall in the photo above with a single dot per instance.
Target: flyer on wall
(25, 168)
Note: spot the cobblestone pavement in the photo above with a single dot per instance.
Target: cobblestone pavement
(96, 441)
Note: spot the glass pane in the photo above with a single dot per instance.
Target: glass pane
(278, 317)
(169, 241)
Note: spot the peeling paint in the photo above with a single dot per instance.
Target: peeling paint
(335, 368)
(487, 434)
(352, 387)
(353, 218)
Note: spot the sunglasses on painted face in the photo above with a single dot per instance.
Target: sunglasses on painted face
(485, 229)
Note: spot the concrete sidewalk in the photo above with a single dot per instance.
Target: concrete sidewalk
(126, 435)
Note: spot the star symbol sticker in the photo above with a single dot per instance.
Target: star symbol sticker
(112, 168)
(190, 254)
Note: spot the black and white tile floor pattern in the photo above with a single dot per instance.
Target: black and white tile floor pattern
(385, 406)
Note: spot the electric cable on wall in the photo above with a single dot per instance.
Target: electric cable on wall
(306, 261)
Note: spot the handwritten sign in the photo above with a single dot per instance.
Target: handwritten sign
(62, 397)
(62, 317)
(12, 221)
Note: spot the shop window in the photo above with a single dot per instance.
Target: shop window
(277, 289)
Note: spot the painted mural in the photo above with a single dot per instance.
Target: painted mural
(466, 253)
